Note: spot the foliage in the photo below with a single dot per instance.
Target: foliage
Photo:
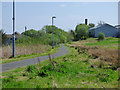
(43, 36)
(31, 33)
(101, 36)
(70, 36)
(91, 25)
(71, 71)
(3, 37)
(81, 31)
(43, 50)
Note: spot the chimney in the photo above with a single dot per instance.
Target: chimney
(86, 21)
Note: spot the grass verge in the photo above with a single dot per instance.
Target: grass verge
(74, 70)
(23, 57)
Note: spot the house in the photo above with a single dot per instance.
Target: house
(118, 27)
(107, 29)
(10, 37)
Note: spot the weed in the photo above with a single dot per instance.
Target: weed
(30, 68)
(38, 86)
(24, 74)
(103, 77)
(6, 80)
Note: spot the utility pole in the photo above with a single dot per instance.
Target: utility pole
(13, 29)
(52, 33)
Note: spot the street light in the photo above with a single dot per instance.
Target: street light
(52, 33)
(59, 38)
(25, 36)
(13, 29)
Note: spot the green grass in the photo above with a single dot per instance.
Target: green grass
(23, 57)
(108, 41)
(71, 71)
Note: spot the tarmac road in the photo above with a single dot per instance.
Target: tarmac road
(8, 66)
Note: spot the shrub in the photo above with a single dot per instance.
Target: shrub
(101, 36)
(81, 32)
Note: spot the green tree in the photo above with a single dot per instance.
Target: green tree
(91, 25)
(70, 36)
(3, 37)
(101, 36)
(31, 33)
(81, 31)
(43, 36)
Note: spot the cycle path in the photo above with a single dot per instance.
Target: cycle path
(8, 66)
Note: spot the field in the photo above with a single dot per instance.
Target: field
(77, 69)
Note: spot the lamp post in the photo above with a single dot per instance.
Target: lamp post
(59, 39)
(52, 33)
(55, 39)
(13, 29)
(25, 36)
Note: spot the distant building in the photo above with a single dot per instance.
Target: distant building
(108, 30)
(10, 37)
(118, 27)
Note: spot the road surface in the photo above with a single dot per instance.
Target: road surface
(8, 66)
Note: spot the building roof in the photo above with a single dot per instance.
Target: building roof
(100, 26)
(117, 26)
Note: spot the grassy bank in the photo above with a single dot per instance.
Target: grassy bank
(74, 70)
(24, 49)
(33, 55)
(108, 43)
(105, 50)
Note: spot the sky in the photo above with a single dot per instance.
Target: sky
(35, 15)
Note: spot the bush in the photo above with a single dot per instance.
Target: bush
(101, 36)
(81, 32)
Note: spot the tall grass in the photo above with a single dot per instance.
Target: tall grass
(25, 45)
(109, 55)
(24, 49)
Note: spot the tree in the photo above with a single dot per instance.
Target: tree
(31, 33)
(44, 36)
(101, 36)
(70, 36)
(3, 38)
(100, 23)
(91, 25)
(81, 31)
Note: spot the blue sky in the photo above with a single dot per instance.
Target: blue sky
(36, 15)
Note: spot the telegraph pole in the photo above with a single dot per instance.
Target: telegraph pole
(13, 29)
